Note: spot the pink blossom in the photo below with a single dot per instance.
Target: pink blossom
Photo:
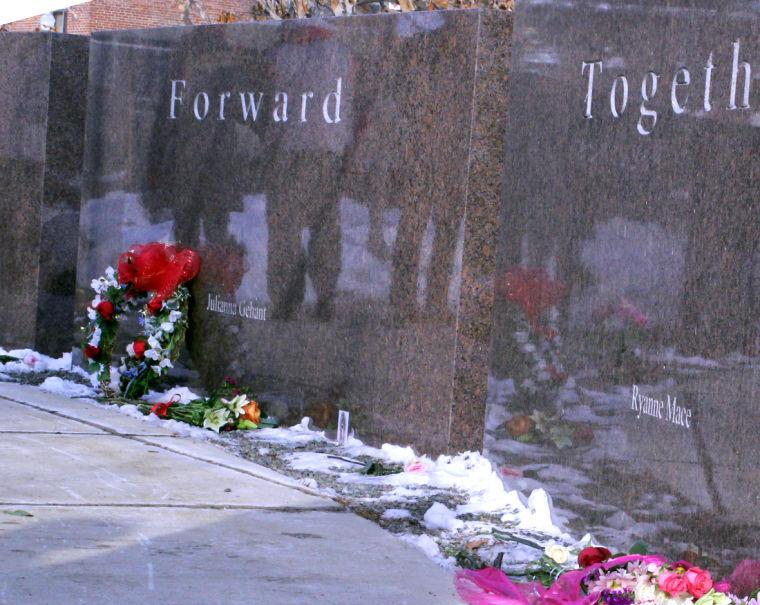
(510, 472)
(672, 582)
(746, 578)
(723, 586)
(699, 582)
(416, 467)
(627, 311)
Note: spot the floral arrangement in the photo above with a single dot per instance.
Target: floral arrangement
(537, 336)
(156, 271)
(593, 576)
(550, 429)
(228, 408)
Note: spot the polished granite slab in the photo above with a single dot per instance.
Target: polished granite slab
(43, 81)
(340, 178)
(626, 353)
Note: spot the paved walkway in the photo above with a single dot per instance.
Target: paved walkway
(126, 513)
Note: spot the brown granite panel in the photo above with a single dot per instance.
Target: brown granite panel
(627, 292)
(333, 243)
(41, 130)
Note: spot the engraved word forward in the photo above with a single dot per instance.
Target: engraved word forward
(252, 105)
(685, 94)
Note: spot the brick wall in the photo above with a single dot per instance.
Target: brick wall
(129, 14)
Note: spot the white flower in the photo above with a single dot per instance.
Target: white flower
(152, 354)
(92, 314)
(111, 275)
(166, 363)
(96, 301)
(167, 326)
(95, 338)
(216, 419)
(174, 316)
(153, 343)
(557, 553)
(236, 404)
(131, 349)
(156, 369)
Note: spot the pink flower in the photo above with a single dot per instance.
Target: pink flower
(699, 581)
(416, 467)
(723, 586)
(627, 311)
(746, 578)
(510, 472)
(673, 583)
(31, 360)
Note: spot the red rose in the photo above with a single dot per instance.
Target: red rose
(91, 352)
(592, 555)
(139, 346)
(699, 582)
(106, 310)
(161, 409)
(154, 305)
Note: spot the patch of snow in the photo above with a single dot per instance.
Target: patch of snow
(439, 516)
(430, 547)
(294, 435)
(316, 461)
(396, 513)
(180, 394)
(67, 388)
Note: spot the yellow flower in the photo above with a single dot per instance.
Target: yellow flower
(557, 553)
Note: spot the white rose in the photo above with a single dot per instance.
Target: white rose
(557, 553)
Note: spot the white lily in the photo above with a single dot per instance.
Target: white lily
(216, 419)
(236, 404)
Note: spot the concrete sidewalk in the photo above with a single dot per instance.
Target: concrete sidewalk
(126, 513)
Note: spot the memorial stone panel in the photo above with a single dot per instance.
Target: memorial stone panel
(43, 81)
(626, 352)
(340, 178)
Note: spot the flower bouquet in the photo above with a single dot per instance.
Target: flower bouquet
(603, 579)
(228, 408)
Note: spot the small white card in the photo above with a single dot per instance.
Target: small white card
(343, 424)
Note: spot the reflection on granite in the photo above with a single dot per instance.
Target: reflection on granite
(626, 344)
(340, 179)
(42, 100)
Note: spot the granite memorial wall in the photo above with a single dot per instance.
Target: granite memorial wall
(340, 178)
(43, 79)
(625, 372)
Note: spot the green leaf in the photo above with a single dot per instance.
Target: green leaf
(375, 467)
(8, 358)
(247, 425)
(18, 513)
(639, 548)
